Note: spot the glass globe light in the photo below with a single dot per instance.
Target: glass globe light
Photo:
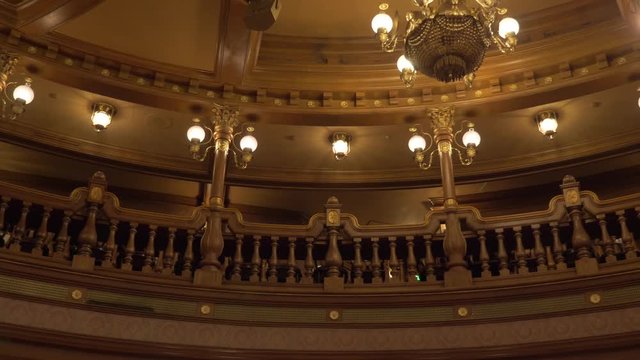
(417, 142)
(638, 102)
(508, 26)
(382, 21)
(24, 93)
(100, 119)
(248, 142)
(404, 63)
(548, 126)
(340, 148)
(196, 133)
(471, 137)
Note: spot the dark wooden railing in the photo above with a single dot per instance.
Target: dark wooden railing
(90, 231)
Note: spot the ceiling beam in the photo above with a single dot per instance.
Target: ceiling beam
(236, 42)
(43, 16)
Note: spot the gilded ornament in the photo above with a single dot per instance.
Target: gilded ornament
(411, 101)
(333, 218)
(572, 197)
(595, 298)
(222, 145)
(463, 311)
(377, 103)
(441, 117)
(444, 147)
(226, 116)
(205, 309)
(77, 294)
(344, 104)
(95, 195)
(334, 315)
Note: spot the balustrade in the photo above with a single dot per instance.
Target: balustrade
(571, 235)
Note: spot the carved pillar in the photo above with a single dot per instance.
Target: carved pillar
(150, 249)
(291, 261)
(3, 209)
(484, 255)
(520, 255)
(627, 237)
(376, 265)
(237, 259)
(273, 260)
(188, 255)
(255, 260)
(393, 260)
(42, 232)
(455, 245)
(309, 264)
(169, 253)
(88, 237)
(551, 264)
(502, 254)
(580, 239)
(428, 259)
(110, 245)
(62, 239)
(130, 248)
(210, 272)
(609, 250)
(558, 250)
(333, 259)
(412, 264)
(538, 249)
(19, 230)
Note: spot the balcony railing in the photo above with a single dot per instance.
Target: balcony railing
(89, 230)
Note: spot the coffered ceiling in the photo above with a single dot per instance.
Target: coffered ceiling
(317, 70)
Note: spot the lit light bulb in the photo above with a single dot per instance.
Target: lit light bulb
(196, 132)
(508, 26)
(471, 137)
(24, 93)
(417, 142)
(248, 142)
(382, 21)
(404, 63)
(100, 119)
(548, 126)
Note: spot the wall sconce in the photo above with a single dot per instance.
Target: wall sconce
(419, 147)
(340, 144)
(22, 95)
(242, 152)
(547, 123)
(102, 115)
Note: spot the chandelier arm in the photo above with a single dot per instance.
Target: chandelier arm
(6, 87)
(424, 166)
(239, 164)
(203, 156)
(463, 160)
(455, 138)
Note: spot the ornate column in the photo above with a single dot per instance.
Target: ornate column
(210, 273)
(333, 280)
(455, 245)
(580, 239)
(88, 237)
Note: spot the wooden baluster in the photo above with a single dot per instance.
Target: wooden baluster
(520, 255)
(484, 255)
(87, 241)
(394, 275)
(538, 249)
(19, 230)
(309, 264)
(150, 250)
(333, 258)
(357, 261)
(255, 260)
(273, 260)
(502, 253)
(63, 236)
(130, 249)
(42, 232)
(429, 261)
(558, 249)
(169, 253)
(3, 209)
(627, 237)
(291, 261)
(188, 255)
(110, 245)
(376, 265)
(236, 275)
(609, 249)
(412, 263)
(551, 264)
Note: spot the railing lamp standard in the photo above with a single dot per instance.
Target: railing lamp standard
(22, 95)
(447, 42)
(101, 116)
(419, 147)
(547, 122)
(340, 145)
(242, 152)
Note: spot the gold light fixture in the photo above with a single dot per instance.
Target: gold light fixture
(547, 123)
(420, 148)
(447, 42)
(22, 95)
(340, 145)
(223, 123)
(102, 115)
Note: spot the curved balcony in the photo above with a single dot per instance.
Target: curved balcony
(81, 270)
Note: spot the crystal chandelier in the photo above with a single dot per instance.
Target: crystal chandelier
(446, 42)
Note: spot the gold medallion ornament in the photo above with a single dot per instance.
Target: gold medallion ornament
(333, 218)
